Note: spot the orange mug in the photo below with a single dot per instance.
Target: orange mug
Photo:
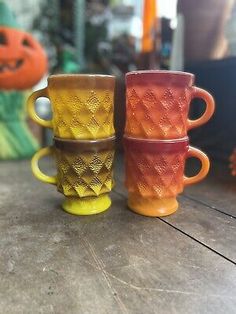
(157, 104)
(154, 173)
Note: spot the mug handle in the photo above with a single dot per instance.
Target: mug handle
(31, 108)
(194, 152)
(35, 166)
(210, 107)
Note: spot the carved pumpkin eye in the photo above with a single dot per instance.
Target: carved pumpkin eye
(3, 39)
(26, 43)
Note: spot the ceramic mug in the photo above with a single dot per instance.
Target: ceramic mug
(154, 173)
(84, 173)
(157, 104)
(82, 106)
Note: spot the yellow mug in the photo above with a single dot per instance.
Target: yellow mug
(84, 173)
(82, 106)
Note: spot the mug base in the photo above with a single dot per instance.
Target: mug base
(87, 205)
(152, 207)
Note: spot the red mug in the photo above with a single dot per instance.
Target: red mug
(154, 173)
(157, 104)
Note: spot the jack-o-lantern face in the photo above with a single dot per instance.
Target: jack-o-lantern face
(23, 61)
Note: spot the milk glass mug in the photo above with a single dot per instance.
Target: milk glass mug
(157, 104)
(82, 106)
(154, 173)
(84, 173)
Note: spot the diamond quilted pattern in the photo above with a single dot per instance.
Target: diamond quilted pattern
(158, 112)
(86, 174)
(82, 114)
(154, 175)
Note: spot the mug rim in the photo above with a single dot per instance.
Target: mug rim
(80, 146)
(156, 146)
(79, 75)
(180, 73)
(82, 81)
(159, 77)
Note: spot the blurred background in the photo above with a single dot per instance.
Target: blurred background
(117, 36)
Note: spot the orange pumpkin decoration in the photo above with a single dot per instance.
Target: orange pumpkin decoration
(23, 61)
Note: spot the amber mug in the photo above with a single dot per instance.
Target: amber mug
(82, 106)
(84, 173)
(157, 104)
(154, 173)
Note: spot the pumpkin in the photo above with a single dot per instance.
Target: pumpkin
(23, 61)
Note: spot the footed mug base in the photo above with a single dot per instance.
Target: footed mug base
(152, 207)
(87, 205)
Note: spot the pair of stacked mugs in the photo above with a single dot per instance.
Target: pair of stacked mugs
(156, 142)
(82, 123)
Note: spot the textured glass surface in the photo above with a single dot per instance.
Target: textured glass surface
(85, 174)
(82, 114)
(158, 112)
(154, 174)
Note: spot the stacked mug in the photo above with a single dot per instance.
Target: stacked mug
(82, 123)
(156, 142)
